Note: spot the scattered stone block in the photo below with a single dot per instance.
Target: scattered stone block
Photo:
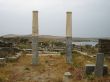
(68, 74)
(67, 77)
(2, 62)
(11, 59)
(18, 55)
(90, 68)
(14, 58)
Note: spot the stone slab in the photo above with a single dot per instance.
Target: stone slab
(90, 68)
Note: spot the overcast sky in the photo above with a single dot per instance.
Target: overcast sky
(91, 18)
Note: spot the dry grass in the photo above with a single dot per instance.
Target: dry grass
(23, 71)
(50, 69)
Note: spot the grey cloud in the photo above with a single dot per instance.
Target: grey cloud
(91, 18)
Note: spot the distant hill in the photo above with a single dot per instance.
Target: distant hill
(10, 36)
(50, 37)
(46, 37)
(59, 38)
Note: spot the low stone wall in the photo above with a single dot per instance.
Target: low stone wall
(14, 58)
(9, 59)
(90, 68)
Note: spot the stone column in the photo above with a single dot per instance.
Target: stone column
(99, 65)
(35, 59)
(69, 37)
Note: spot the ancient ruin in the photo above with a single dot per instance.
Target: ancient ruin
(69, 37)
(35, 38)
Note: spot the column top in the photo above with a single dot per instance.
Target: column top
(35, 11)
(69, 12)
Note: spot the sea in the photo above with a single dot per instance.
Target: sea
(85, 43)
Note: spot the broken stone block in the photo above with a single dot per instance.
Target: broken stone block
(11, 59)
(90, 68)
(67, 77)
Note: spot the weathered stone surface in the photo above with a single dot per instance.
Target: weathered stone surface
(68, 74)
(69, 57)
(35, 38)
(69, 37)
(35, 24)
(18, 55)
(90, 68)
(99, 65)
(35, 50)
(69, 24)
(104, 46)
(12, 59)
(2, 62)
(67, 77)
(8, 51)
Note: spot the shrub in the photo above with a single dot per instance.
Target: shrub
(63, 53)
(26, 68)
(91, 76)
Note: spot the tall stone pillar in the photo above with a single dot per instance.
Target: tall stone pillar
(35, 59)
(69, 37)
